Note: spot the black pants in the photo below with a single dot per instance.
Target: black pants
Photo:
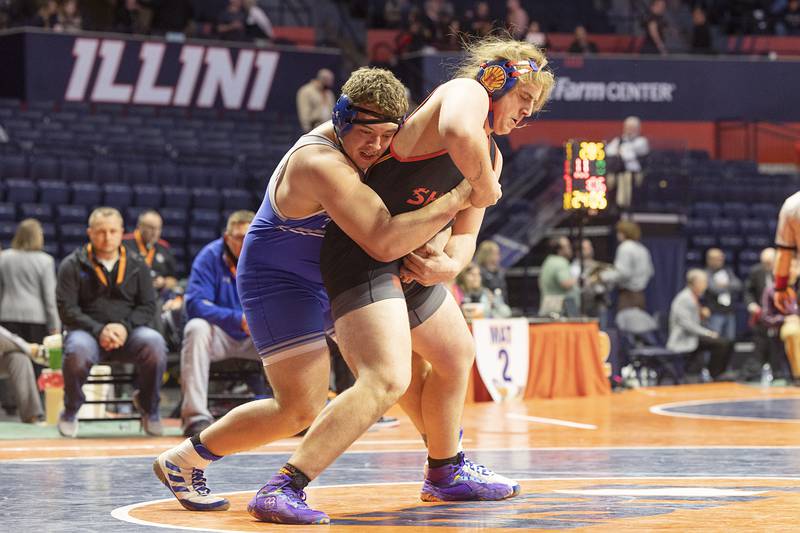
(719, 350)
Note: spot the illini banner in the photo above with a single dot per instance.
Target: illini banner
(117, 69)
(502, 356)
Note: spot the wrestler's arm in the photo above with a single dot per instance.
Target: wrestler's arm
(461, 126)
(441, 265)
(363, 216)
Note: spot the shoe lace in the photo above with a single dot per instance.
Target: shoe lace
(298, 494)
(199, 482)
(479, 468)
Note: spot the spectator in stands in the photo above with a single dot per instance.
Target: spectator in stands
(107, 305)
(476, 300)
(16, 364)
(493, 276)
(28, 285)
(130, 18)
(146, 243)
(594, 292)
(759, 277)
(536, 36)
(724, 290)
(557, 286)
(169, 16)
(624, 164)
(217, 328)
(46, 16)
(231, 22)
(395, 12)
(69, 18)
(655, 26)
(480, 23)
(581, 44)
(257, 25)
(517, 19)
(633, 267)
(687, 333)
(315, 100)
(788, 20)
(701, 32)
(783, 329)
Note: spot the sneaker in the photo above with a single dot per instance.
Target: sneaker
(280, 503)
(188, 485)
(384, 422)
(67, 425)
(466, 481)
(151, 423)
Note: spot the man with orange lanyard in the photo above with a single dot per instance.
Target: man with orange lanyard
(107, 305)
(217, 328)
(147, 243)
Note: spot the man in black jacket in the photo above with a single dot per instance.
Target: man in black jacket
(107, 304)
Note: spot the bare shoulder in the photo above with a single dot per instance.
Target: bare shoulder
(464, 86)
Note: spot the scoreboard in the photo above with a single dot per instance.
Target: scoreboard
(585, 175)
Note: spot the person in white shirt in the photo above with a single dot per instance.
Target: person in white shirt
(629, 147)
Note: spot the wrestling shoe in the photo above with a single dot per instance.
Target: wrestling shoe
(188, 485)
(280, 503)
(465, 481)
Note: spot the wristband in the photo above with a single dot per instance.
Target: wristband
(781, 283)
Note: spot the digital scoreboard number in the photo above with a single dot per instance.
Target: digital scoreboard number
(585, 176)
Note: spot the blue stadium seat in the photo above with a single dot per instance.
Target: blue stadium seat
(195, 176)
(723, 225)
(750, 226)
(45, 168)
(758, 241)
(706, 210)
(147, 196)
(53, 192)
(21, 190)
(131, 215)
(73, 231)
(175, 196)
(13, 166)
(205, 218)
(67, 247)
(696, 226)
(105, 171)
(735, 210)
(764, 210)
(205, 198)
(66, 214)
(51, 247)
(117, 195)
(192, 250)
(86, 193)
(731, 242)
(49, 231)
(704, 241)
(41, 212)
(8, 212)
(75, 169)
(7, 230)
(749, 256)
(174, 235)
(135, 172)
(202, 235)
(174, 217)
(694, 257)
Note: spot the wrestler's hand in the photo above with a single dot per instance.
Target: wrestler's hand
(486, 196)
(428, 266)
(784, 299)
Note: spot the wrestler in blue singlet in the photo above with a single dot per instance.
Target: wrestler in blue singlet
(278, 275)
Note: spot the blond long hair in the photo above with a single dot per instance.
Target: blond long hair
(29, 236)
(504, 46)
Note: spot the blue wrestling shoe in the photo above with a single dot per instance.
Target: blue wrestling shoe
(466, 481)
(280, 503)
(188, 485)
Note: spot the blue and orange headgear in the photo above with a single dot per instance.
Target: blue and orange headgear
(498, 77)
(345, 112)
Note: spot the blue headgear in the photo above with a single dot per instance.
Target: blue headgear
(344, 116)
(500, 76)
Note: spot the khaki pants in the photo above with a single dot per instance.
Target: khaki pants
(790, 335)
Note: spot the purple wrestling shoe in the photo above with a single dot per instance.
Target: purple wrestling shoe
(280, 503)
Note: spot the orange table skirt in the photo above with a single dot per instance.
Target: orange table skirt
(565, 362)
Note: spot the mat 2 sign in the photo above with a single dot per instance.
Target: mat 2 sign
(204, 74)
(502, 357)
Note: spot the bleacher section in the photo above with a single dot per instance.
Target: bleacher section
(194, 166)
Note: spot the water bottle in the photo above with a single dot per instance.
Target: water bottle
(705, 376)
(766, 375)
